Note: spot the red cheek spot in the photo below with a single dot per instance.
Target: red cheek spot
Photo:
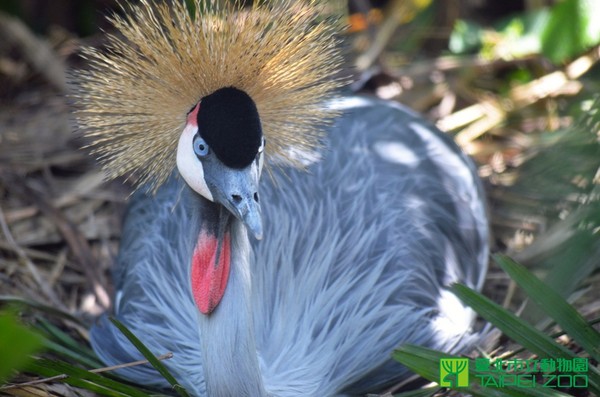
(192, 117)
(209, 273)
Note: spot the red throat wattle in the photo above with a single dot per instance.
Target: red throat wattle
(209, 273)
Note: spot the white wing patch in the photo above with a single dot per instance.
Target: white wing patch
(397, 153)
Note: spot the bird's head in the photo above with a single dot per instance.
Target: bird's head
(182, 85)
(220, 153)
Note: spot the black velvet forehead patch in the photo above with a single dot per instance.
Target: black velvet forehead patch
(228, 121)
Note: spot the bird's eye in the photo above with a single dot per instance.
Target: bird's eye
(200, 146)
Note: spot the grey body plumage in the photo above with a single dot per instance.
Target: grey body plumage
(355, 260)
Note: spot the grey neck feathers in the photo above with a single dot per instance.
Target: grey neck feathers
(229, 355)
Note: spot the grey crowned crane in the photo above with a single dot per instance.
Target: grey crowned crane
(299, 283)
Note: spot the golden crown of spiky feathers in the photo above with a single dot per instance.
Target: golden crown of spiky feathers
(134, 99)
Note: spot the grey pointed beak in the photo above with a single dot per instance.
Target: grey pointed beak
(237, 190)
(248, 211)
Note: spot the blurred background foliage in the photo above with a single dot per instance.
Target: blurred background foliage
(83, 18)
(515, 82)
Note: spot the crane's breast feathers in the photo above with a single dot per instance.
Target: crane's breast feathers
(356, 256)
(365, 243)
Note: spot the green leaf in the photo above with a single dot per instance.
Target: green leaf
(22, 302)
(514, 327)
(519, 330)
(150, 357)
(573, 27)
(426, 362)
(521, 34)
(61, 343)
(17, 343)
(465, 37)
(66, 353)
(510, 38)
(84, 379)
(425, 392)
(554, 305)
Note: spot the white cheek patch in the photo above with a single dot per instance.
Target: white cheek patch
(188, 164)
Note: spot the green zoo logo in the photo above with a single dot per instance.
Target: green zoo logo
(521, 373)
(454, 372)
